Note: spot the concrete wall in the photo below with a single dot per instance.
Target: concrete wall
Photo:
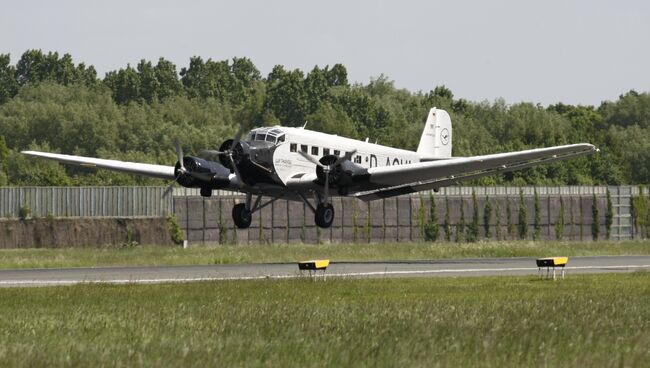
(95, 232)
(399, 219)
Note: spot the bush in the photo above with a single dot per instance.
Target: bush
(559, 223)
(175, 230)
(609, 216)
(537, 224)
(472, 229)
(25, 212)
(523, 217)
(431, 229)
(595, 221)
(487, 218)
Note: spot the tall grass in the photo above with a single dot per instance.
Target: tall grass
(595, 320)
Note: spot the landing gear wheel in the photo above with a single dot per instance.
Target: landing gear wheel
(324, 215)
(241, 216)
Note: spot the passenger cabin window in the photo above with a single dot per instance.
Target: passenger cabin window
(314, 150)
(293, 147)
(357, 159)
(337, 152)
(303, 148)
(326, 151)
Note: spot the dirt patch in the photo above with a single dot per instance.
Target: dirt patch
(83, 232)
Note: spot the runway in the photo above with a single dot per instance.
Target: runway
(424, 268)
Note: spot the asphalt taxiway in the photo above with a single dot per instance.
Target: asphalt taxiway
(423, 268)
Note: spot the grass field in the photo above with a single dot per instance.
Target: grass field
(223, 254)
(583, 321)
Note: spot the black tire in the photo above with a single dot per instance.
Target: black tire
(324, 215)
(241, 216)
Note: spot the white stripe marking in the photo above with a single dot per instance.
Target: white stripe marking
(349, 274)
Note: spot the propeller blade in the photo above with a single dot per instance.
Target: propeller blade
(169, 189)
(310, 158)
(179, 154)
(234, 166)
(207, 152)
(237, 137)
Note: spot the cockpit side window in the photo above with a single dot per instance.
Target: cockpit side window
(270, 138)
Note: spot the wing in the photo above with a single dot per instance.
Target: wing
(404, 179)
(156, 171)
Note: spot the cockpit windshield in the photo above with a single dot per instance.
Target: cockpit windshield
(271, 135)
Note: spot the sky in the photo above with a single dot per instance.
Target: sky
(575, 52)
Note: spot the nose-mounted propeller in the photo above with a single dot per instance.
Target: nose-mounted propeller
(327, 168)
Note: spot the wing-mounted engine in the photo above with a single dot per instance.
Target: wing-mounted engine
(196, 172)
(343, 175)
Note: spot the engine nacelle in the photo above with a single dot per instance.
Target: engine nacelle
(217, 176)
(342, 176)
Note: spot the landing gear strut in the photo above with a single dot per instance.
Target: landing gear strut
(242, 213)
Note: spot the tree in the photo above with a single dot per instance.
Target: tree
(510, 223)
(316, 88)
(447, 222)
(431, 229)
(487, 218)
(337, 76)
(168, 83)
(286, 96)
(537, 224)
(523, 217)
(149, 84)
(609, 215)
(8, 85)
(472, 229)
(559, 223)
(125, 85)
(497, 225)
(595, 220)
(460, 227)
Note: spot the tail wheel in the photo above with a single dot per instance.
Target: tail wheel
(324, 215)
(241, 216)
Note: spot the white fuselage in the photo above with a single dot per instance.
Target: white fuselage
(288, 162)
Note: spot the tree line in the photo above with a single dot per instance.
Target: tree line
(49, 102)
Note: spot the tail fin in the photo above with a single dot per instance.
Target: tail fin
(435, 142)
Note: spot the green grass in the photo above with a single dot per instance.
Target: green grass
(153, 255)
(582, 321)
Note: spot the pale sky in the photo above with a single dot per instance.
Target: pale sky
(577, 52)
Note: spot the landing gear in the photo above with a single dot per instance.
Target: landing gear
(242, 216)
(324, 215)
(242, 213)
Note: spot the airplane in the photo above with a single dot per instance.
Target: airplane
(296, 163)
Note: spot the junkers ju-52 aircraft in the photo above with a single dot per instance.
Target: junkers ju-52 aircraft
(303, 165)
